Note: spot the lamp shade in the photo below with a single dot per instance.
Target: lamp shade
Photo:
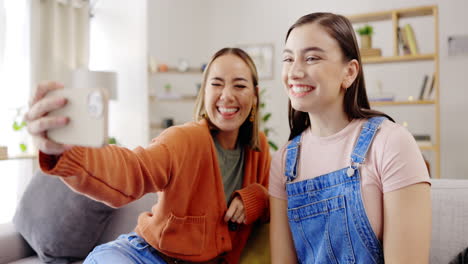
(95, 79)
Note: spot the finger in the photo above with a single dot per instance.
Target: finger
(44, 106)
(43, 88)
(230, 212)
(43, 124)
(237, 214)
(241, 219)
(49, 147)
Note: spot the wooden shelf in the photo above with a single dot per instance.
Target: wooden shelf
(384, 59)
(388, 15)
(394, 103)
(20, 156)
(393, 18)
(175, 98)
(428, 147)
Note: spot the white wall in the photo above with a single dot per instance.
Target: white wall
(119, 43)
(228, 23)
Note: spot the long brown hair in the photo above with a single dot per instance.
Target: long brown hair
(356, 104)
(248, 132)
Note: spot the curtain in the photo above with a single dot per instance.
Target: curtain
(60, 38)
(2, 32)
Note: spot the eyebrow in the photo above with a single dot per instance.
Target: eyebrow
(235, 79)
(304, 50)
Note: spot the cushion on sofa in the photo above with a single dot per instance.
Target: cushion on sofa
(449, 219)
(59, 224)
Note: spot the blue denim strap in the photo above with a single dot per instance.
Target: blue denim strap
(292, 153)
(365, 139)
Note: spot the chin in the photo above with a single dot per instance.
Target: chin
(227, 127)
(300, 107)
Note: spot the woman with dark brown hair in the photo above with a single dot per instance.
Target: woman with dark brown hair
(351, 185)
(211, 174)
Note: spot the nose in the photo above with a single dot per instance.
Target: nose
(296, 70)
(227, 93)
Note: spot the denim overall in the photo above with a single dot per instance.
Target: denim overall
(326, 214)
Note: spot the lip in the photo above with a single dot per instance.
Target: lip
(300, 94)
(227, 115)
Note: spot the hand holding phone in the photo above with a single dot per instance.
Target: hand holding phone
(87, 110)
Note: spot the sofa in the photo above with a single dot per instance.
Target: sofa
(449, 225)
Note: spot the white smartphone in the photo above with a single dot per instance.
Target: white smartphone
(87, 110)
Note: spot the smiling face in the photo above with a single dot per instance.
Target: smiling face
(314, 72)
(229, 93)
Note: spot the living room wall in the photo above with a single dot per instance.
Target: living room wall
(118, 42)
(213, 24)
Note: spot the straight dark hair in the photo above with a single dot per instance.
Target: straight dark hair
(356, 104)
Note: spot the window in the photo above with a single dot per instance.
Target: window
(14, 94)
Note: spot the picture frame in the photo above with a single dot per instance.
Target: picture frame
(262, 55)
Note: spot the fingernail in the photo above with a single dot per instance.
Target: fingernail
(64, 120)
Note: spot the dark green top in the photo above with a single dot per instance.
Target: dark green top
(231, 164)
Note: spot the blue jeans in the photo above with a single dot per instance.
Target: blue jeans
(326, 214)
(126, 249)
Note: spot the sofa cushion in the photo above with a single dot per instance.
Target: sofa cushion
(59, 224)
(449, 219)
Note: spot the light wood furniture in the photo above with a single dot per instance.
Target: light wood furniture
(185, 98)
(394, 17)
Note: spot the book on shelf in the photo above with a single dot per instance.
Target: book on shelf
(381, 97)
(409, 34)
(372, 52)
(403, 42)
(423, 140)
(427, 88)
(431, 93)
(423, 87)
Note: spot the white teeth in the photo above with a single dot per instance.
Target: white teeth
(301, 89)
(227, 110)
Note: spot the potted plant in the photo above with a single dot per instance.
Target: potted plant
(264, 117)
(366, 36)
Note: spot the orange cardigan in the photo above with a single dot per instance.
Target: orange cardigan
(187, 222)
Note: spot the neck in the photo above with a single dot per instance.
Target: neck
(327, 124)
(227, 139)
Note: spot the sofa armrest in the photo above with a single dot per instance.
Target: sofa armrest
(12, 244)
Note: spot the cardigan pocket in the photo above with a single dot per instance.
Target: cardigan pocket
(184, 235)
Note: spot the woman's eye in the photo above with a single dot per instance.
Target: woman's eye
(287, 60)
(240, 86)
(215, 84)
(311, 59)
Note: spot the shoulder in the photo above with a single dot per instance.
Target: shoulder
(393, 135)
(188, 134)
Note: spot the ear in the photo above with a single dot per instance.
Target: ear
(256, 95)
(350, 73)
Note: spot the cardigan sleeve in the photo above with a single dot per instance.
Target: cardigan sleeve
(116, 175)
(255, 195)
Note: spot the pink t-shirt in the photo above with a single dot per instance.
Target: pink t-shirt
(393, 161)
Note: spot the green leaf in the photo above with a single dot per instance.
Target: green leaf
(262, 105)
(266, 131)
(272, 145)
(112, 140)
(23, 147)
(365, 30)
(18, 127)
(266, 117)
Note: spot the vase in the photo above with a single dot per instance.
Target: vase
(366, 42)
